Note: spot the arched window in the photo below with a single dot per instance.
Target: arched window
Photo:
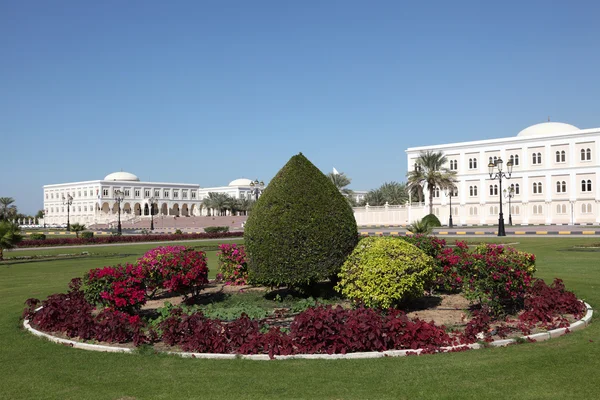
(535, 187)
(495, 190)
(517, 188)
(491, 160)
(512, 159)
(586, 208)
(586, 186)
(517, 210)
(539, 158)
(589, 208)
(564, 186)
(558, 187)
(436, 192)
(558, 208)
(470, 163)
(475, 163)
(564, 209)
(491, 190)
(563, 156)
(492, 210)
(558, 156)
(588, 153)
(516, 159)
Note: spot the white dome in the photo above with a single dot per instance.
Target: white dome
(241, 182)
(546, 128)
(121, 176)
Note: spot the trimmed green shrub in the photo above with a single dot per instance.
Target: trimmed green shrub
(178, 232)
(300, 230)
(216, 229)
(382, 271)
(87, 235)
(37, 236)
(431, 220)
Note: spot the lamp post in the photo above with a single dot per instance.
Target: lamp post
(256, 188)
(68, 201)
(119, 198)
(509, 194)
(495, 170)
(450, 192)
(152, 200)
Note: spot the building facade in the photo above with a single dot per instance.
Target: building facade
(555, 178)
(94, 202)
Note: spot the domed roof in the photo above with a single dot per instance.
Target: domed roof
(121, 176)
(240, 182)
(546, 128)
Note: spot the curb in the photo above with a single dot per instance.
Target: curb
(538, 337)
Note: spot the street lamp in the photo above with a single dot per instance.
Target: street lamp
(68, 201)
(450, 191)
(509, 194)
(119, 198)
(256, 188)
(152, 200)
(499, 174)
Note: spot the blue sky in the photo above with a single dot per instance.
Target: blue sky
(205, 92)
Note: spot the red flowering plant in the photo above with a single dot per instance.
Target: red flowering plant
(233, 269)
(499, 277)
(120, 287)
(455, 263)
(176, 269)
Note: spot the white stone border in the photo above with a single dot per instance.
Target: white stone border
(538, 337)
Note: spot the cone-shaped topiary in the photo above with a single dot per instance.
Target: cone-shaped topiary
(300, 230)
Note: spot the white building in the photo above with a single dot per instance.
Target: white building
(94, 202)
(555, 178)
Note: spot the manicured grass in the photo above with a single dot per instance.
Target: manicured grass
(31, 368)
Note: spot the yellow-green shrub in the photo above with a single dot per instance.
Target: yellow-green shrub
(382, 271)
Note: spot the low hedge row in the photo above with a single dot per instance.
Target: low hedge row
(64, 241)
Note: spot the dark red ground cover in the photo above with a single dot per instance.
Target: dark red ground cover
(65, 241)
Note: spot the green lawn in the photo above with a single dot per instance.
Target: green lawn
(31, 368)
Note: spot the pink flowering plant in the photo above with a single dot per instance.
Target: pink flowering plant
(233, 269)
(176, 269)
(499, 277)
(120, 287)
(455, 263)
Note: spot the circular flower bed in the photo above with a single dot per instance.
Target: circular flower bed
(107, 306)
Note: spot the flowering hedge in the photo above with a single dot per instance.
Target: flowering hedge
(174, 268)
(67, 241)
(233, 267)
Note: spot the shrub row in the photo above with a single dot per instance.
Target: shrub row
(216, 229)
(65, 241)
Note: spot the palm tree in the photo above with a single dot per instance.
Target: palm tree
(431, 172)
(394, 193)
(340, 180)
(5, 207)
(9, 236)
(77, 227)
(217, 201)
(375, 197)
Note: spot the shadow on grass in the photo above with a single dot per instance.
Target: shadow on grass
(9, 262)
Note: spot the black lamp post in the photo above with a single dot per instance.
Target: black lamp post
(152, 200)
(450, 192)
(495, 170)
(119, 198)
(256, 188)
(68, 201)
(509, 194)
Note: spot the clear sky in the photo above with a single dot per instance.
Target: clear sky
(209, 91)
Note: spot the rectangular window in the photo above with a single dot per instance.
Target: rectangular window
(184, 195)
(46, 196)
(175, 194)
(79, 194)
(126, 192)
(146, 193)
(137, 193)
(157, 193)
(193, 195)
(105, 192)
(85, 208)
(166, 194)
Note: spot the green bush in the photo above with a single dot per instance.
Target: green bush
(216, 229)
(300, 230)
(37, 236)
(431, 220)
(178, 232)
(87, 235)
(382, 271)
